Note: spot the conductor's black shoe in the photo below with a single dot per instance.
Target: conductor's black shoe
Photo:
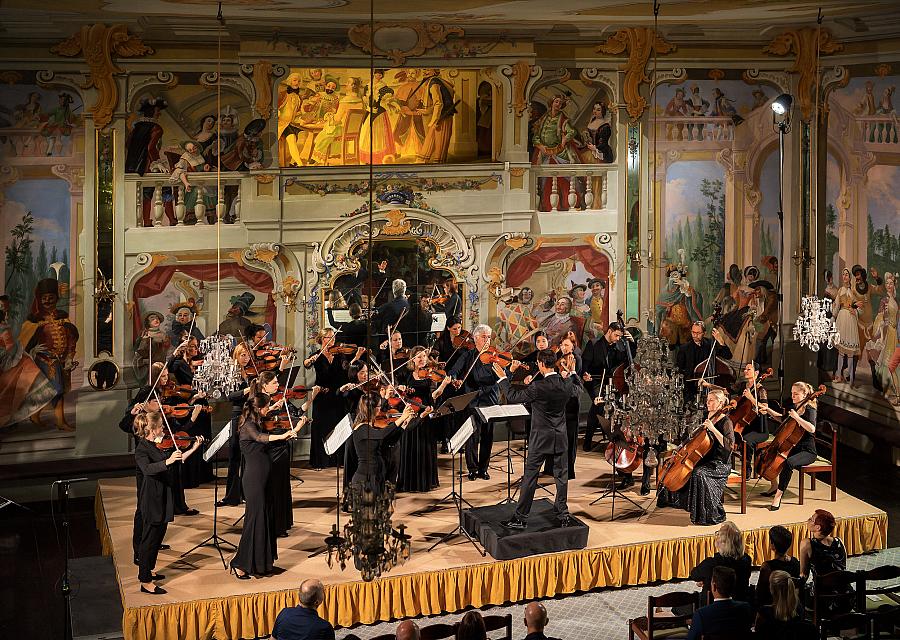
(566, 521)
(484, 475)
(473, 475)
(164, 546)
(515, 524)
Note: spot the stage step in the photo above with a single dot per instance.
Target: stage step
(96, 611)
(543, 535)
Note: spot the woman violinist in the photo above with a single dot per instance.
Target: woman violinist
(241, 357)
(392, 351)
(804, 452)
(156, 501)
(278, 490)
(257, 550)
(704, 493)
(569, 360)
(327, 408)
(418, 448)
(360, 383)
(451, 302)
(373, 443)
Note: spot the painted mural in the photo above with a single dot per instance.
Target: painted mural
(561, 289)
(393, 116)
(41, 175)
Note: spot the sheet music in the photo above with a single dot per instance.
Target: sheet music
(438, 321)
(502, 411)
(461, 436)
(218, 442)
(338, 436)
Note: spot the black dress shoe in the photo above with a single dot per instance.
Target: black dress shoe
(515, 524)
(157, 591)
(484, 475)
(566, 521)
(223, 503)
(164, 547)
(627, 481)
(191, 512)
(473, 475)
(158, 576)
(587, 446)
(767, 494)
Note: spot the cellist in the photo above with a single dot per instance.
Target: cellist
(804, 452)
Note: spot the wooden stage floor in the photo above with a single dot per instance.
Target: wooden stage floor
(204, 601)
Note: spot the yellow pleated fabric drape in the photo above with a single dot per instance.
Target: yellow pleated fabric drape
(453, 589)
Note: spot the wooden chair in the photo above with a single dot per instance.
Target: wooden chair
(831, 596)
(350, 134)
(826, 435)
(437, 631)
(494, 623)
(738, 477)
(656, 627)
(880, 604)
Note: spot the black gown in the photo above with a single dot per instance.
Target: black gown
(196, 470)
(327, 409)
(279, 487)
(418, 447)
(233, 493)
(257, 550)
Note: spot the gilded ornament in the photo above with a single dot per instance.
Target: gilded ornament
(428, 35)
(803, 44)
(883, 70)
(716, 74)
(640, 43)
(397, 224)
(520, 73)
(262, 81)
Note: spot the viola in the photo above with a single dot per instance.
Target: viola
(183, 410)
(493, 355)
(463, 341)
(745, 412)
(182, 441)
(680, 466)
(432, 373)
(789, 433)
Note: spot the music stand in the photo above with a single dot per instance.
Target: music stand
(215, 540)
(457, 442)
(495, 414)
(338, 436)
(451, 406)
(613, 490)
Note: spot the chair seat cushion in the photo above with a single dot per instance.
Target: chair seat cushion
(672, 633)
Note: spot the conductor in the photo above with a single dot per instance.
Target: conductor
(547, 397)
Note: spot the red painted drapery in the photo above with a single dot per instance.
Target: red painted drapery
(594, 261)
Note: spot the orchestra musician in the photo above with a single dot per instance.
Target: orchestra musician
(447, 354)
(327, 408)
(359, 384)
(569, 359)
(392, 352)
(372, 444)
(804, 452)
(278, 488)
(233, 494)
(452, 305)
(416, 325)
(758, 430)
(257, 550)
(155, 499)
(390, 312)
(692, 353)
(353, 332)
(470, 374)
(547, 396)
(600, 358)
(703, 495)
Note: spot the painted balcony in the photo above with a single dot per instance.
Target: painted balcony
(571, 187)
(879, 133)
(697, 132)
(161, 203)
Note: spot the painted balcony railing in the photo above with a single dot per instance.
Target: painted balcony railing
(696, 128)
(162, 203)
(879, 130)
(570, 187)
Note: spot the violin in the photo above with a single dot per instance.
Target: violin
(273, 350)
(170, 390)
(441, 299)
(341, 349)
(789, 433)
(276, 425)
(432, 373)
(401, 354)
(298, 392)
(182, 441)
(680, 466)
(384, 419)
(463, 341)
(493, 355)
(566, 363)
(183, 410)
(745, 412)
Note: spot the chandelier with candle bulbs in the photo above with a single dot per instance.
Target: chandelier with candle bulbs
(815, 325)
(218, 375)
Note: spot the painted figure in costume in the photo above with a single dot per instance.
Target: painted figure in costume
(866, 107)
(154, 344)
(50, 338)
(235, 321)
(598, 133)
(247, 153)
(516, 319)
(333, 121)
(228, 136)
(678, 106)
(24, 389)
(191, 161)
(884, 338)
(724, 106)
(142, 146)
(206, 134)
(376, 136)
(409, 131)
(439, 128)
(862, 295)
(596, 303)
(28, 115)
(58, 124)
(555, 142)
(290, 117)
(847, 324)
(699, 105)
(678, 306)
(560, 321)
(182, 322)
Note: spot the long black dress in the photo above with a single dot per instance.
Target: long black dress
(235, 460)
(704, 494)
(327, 409)
(196, 470)
(418, 447)
(279, 487)
(257, 550)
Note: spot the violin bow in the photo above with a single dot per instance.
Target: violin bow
(166, 420)
(324, 347)
(391, 330)
(472, 366)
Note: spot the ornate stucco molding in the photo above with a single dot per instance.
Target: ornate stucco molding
(144, 263)
(640, 43)
(98, 44)
(780, 79)
(427, 36)
(261, 75)
(608, 79)
(808, 45)
(522, 77)
(240, 84)
(72, 174)
(162, 79)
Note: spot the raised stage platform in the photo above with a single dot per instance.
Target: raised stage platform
(204, 601)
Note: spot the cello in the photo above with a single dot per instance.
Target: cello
(745, 411)
(789, 433)
(618, 375)
(678, 469)
(624, 456)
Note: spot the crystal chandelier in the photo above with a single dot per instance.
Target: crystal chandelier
(218, 374)
(815, 324)
(370, 539)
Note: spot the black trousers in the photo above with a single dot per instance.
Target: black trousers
(529, 482)
(138, 518)
(796, 460)
(478, 447)
(151, 537)
(571, 443)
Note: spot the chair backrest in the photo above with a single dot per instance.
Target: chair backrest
(672, 599)
(353, 120)
(832, 594)
(493, 623)
(437, 631)
(826, 436)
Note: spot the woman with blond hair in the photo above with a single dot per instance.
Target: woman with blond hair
(781, 620)
(730, 552)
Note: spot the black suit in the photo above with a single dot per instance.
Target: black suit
(155, 503)
(547, 398)
(353, 332)
(483, 380)
(600, 358)
(390, 312)
(689, 355)
(724, 618)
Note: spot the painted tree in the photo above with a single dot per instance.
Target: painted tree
(19, 268)
(709, 251)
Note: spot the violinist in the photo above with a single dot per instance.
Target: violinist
(804, 452)
(156, 502)
(692, 353)
(600, 359)
(372, 444)
(541, 342)
(704, 493)
(257, 551)
(447, 352)
(182, 369)
(392, 350)
(568, 360)
(418, 448)
(241, 357)
(353, 332)
(547, 398)
(255, 342)
(389, 313)
(278, 487)
(359, 384)
(470, 374)
(450, 303)
(327, 409)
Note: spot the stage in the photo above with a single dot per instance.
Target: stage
(204, 601)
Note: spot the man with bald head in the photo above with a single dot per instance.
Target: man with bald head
(535, 621)
(407, 630)
(303, 622)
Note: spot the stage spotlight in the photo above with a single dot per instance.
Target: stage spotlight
(782, 104)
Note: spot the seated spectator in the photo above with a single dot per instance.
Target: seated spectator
(407, 630)
(302, 622)
(822, 552)
(781, 620)
(471, 627)
(724, 618)
(729, 553)
(536, 620)
(780, 539)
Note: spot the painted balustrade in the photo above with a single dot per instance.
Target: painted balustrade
(570, 187)
(696, 129)
(161, 203)
(879, 131)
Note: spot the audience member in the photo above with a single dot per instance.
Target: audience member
(821, 552)
(780, 539)
(536, 620)
(471, 627)
(781, 620)
(303, 622)
(407, 630)
(724, 618)
(729, 553)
